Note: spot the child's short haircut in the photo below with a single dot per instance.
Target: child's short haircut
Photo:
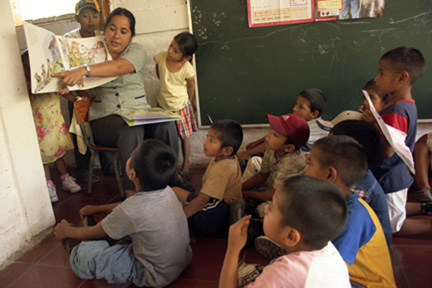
(154, 163)
(187, 43)
(407, 59)
(365, 133)
(345, 154)
(371, 85)
(315, 207)
(230, 133)
(316, 98)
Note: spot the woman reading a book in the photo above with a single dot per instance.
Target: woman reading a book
(126, 92)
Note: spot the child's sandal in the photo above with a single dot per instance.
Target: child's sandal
(186, 174)
(424, 195)
(426, 209)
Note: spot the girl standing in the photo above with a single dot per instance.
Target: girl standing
(52, 133)
(177, 88)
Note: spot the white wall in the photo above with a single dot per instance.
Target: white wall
(26, 214)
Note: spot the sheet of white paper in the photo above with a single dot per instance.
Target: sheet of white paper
(396, 138)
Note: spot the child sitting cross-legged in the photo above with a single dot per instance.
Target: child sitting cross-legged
(208, 211)
(152, 217)
(342, 161)
(281, 160)
(305, 214)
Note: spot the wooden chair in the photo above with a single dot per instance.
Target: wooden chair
(81, 109)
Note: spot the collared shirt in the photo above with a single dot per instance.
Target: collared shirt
(126, 92)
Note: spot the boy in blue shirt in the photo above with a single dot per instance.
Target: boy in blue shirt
(362, 244)
(153, 219)
(368, 187)
(398, 70)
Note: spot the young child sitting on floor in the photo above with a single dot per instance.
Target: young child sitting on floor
(368, 187)
(208, 211)
(362, 244)
(309, 105)
(281, 160)
(422, 162)
(305, 214)
(153, 218)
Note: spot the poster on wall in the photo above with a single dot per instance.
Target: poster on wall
(282, 12)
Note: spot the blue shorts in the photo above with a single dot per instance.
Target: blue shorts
(213, 218)
(116, 264)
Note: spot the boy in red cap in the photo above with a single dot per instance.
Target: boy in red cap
(281, 160)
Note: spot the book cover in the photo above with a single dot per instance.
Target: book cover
(147, 116)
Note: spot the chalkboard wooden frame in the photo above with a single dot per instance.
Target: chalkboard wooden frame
(244, 72)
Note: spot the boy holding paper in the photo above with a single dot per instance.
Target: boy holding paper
(398, 70)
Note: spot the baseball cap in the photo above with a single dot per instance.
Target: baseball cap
(346, 115)
(291, 125)
(86, 4)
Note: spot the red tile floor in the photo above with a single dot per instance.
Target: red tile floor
(47, 264)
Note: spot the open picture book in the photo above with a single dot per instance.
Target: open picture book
(50, 53)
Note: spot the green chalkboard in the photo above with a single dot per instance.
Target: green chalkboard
(244, 72)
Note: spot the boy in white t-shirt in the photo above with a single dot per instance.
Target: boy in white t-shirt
(305, 214)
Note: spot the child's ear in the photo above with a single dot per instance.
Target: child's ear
(187, 58)
(315, 114)
(76, 18)
(132, 174)
(289, 148)
(227, 151)
(291, 236)
(404, 77)
(332, 174)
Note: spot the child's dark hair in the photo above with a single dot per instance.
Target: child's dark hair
(407, 59)
(345, 154)
(230, 133)
(364, 133)
(316, 98)
(315, 207)
(154, 163)
(123, 12)
(371, 85)
(187, 43)
(289, 141)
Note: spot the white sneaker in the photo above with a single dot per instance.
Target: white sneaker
(69, 184)
(247, 273)
(261, 208)
(52, 192)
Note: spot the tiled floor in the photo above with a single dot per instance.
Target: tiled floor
(47, 264)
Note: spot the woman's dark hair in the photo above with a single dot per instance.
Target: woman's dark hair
(187, 43)
(122, 12)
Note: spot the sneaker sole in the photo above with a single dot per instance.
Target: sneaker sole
(267, 249)
(71, 190)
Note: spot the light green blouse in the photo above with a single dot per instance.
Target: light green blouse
(126, 92)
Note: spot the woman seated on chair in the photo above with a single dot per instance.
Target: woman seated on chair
(124, 93)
